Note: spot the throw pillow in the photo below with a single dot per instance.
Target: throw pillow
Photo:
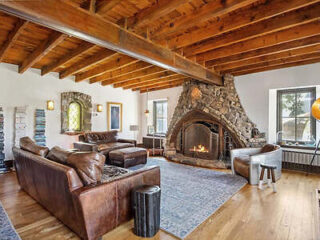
(89, 166)
(59, 155)
(29, 145)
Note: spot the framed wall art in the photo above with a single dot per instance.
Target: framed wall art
(114, 116)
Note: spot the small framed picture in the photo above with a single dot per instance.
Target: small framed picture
(114, 116)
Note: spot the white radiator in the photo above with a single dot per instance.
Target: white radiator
(303, 158)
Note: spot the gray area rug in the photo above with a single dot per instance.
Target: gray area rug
(189, 195)
(7, 231)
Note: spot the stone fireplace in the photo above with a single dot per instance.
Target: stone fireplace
(208, 122)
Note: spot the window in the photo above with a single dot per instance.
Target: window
(74, 117)
(160, 116)
(295, 123)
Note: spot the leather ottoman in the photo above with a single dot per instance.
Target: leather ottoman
(128, 157)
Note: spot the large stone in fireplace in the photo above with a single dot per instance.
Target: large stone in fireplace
(217, 107)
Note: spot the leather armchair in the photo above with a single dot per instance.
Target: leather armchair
(246, 161)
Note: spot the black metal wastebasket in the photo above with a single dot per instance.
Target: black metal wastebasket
(146, 210)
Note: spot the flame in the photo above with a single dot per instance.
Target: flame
(199, 148)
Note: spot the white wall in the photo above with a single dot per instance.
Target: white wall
(171, 94)
(254, 89)
(33, 90)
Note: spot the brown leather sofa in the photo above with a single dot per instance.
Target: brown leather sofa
(89, 209)
(102, 142)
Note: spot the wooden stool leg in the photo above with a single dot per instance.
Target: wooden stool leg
(261, 177)
(269, 177)
(273, 181)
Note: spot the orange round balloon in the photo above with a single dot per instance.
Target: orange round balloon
(316, 109)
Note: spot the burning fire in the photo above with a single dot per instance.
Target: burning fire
(199, 148)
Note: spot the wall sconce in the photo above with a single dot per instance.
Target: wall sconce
(99, 108)
(146, 112)
(50, 105)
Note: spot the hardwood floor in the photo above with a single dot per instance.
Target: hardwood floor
(249, 214)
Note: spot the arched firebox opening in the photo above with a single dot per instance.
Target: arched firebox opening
(201, 135)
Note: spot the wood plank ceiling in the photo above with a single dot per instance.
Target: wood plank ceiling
(225, 36)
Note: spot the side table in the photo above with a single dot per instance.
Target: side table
(146, 210)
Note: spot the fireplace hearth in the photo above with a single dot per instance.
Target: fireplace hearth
(208, 122)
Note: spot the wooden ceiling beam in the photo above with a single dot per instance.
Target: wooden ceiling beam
(280, 61)
(85, 63)
(134, 66)
(143, 80)
(141, 73)
(162, 86)
(208, 11)
(107, 6)
(85, 46)
(46, 46)
(154, 12)
(129, 85)
(116, 61)
(12, 37)
(287, 35)
(295, 44)
(238, 20)
(278, 23)
(270, 57)
(150, 84)
(285, 65)
(65, 17)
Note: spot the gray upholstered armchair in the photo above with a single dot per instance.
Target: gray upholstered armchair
(246, 161)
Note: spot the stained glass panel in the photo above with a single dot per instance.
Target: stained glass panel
(74, 116)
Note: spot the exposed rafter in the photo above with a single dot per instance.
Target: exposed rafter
(154, 12)
(45, 47)
(162, 86)
(117, 61)
(238, 20)
(270, 57)
(295, 44)
(208, 11)
(85, 46)
(131, 68)
(276, 62)
(64, 17)
(285, 65)
(150, 84)
(92, 6)
(141, 73)
(95, 59)
(13, 35)
(141, 79)
(142, 82)
(107, 5)
(284, 21)
(271, 39)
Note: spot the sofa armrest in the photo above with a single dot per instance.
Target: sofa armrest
(86, 147)
(113, 199)
(134, 142)
(242, 151)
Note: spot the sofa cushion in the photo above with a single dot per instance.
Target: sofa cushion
(59, 155)
(107, 147)
(241, 165)
(27, 144)
(269, 148)
(101, 137)
(89, 166)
